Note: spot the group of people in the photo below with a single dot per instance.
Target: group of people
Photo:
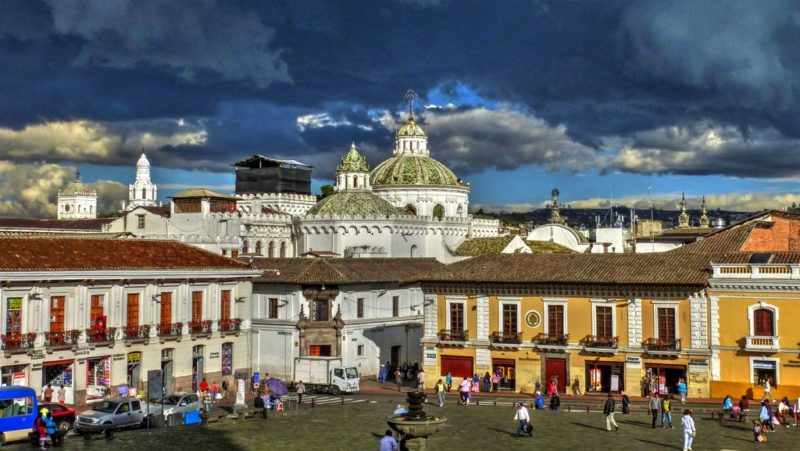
(406, 372)
(45, 427)
(212, 393)
(47, 394)
(650, 387)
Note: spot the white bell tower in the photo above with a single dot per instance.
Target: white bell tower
(143, 192)
(77, 201)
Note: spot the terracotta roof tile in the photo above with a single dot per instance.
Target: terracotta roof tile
(650, 269)
(76, 254)
(56, 224)
(336, 271)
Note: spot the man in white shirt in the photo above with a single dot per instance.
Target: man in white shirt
(689, 431)
(421, 379)
(523, 417)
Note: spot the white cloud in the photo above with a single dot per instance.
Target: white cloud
(67, 140)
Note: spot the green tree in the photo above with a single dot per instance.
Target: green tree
(327, 190)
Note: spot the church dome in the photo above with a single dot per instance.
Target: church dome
(353, 203)
(352, 161)
(412, 170)
(411, 129)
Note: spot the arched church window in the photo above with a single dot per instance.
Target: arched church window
(144, 193)
(245, 247)
(410, 210)
(460, 211)
(414, 251)
(283, 250)
(271, 249)
(258, 247)
(438, 211)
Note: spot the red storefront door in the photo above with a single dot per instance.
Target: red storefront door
(555, 370)
(457, 366)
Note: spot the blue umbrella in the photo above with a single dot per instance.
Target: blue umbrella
(277, 387)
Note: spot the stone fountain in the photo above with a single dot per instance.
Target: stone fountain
(415, 426)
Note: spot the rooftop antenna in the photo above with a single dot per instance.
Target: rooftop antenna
(410, 98)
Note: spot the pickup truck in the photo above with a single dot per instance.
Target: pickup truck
(326, 375)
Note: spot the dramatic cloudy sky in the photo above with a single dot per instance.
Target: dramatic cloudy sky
(634, 101)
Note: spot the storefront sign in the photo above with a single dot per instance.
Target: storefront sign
(133, 357)
(430, 356)
(37, 355)
(213, 355)
(633, 362)
(82, 351)
(119, 357)
(36, 366)
(19, 379)
(698, 366)
(793, 363)
(81, 361)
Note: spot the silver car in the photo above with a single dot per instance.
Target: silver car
(174, 403)
(111, 414)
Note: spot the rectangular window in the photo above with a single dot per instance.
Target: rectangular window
(360, 308)
(762, 323)
(273, 308)
(166, 309)
(456, 317)
(197, 306)
(96, 308)
(225, 305)
(140, 221)
(555, 320)
(666, 323)
(509, 319)
(13, 316)
(360, 350)
(133, 309)
(57, 313)
(319, 350)
(395, 306)
(321, 310)
(603, 321)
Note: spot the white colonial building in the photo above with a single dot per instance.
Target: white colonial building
(77, 201)
(361, 310)
(93, 314)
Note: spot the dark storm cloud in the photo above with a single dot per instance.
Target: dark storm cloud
(581, 79)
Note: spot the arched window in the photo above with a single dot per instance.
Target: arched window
(271, 249)
(283, 250)
(438, 211)
(460, 211)
(410, 210)
(258, 247)
(764, 323)
(144, 193)
(245, 247)
(414, 251)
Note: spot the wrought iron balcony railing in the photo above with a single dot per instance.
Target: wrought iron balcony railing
(662, 346)
(452, 335)
(61, 338)
(600, 342)
(170, 330)
(101, 335)
(18, 343)
(551, 340)
(509, 338)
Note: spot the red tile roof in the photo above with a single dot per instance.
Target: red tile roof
(55, 224)
(93, 254)
(334, 271)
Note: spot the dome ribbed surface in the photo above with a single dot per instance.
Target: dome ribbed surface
(353, 203)
(412, 170)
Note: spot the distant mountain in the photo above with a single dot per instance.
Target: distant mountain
(588, 217)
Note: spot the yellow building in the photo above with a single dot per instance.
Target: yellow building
(605, 320)
(755, 324)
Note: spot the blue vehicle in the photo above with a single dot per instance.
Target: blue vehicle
(18, 410)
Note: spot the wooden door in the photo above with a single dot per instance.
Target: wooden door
(166, 309)
(57, 313)
(395, 358)
(133, 309)
(225, 303)
(555, 370)
(197, 306)
(96, 309)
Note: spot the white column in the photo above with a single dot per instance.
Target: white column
(714, 334)
(635, 323)
(430, 310)
(483, 318)
(698, 321)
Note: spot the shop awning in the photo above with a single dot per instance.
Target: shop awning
(58, 363)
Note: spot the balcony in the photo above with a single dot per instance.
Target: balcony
(18, 343)
(200, 329)
(136, 334)
(506, 339)
(103, 336)
(63, 339)
(168, 331)
(761, 344)
(229, 326)
(551, 342)
(452, 337)
(600, 344)
(658, 346)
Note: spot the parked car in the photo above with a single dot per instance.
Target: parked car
(111, 414)
(174, 403)
(62, 415)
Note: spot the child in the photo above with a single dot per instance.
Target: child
(758, 435)
(42, 429)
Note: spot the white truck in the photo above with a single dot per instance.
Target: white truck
(325, 375)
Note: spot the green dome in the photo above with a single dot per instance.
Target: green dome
(412, 170)
(352, 161)
(411, 129)
(353, 203)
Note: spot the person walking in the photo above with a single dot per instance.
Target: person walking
(653, 406)
(768, 390)
(576, 387)
(421, 379)
(626, 403)
(796, 412)
(495, 382)
(47, 396)
(666, 411)
(463, 391)
(555, 402)
(682, 390)
(62, 395)
(215, 392)
(388, 443)
(440, 390)
(398, 379)
(224, 387)
(487, 382)
(204, 385)
(689, 431)
(448, 381)
(301, 390)
(523, 417)
(608, 411)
